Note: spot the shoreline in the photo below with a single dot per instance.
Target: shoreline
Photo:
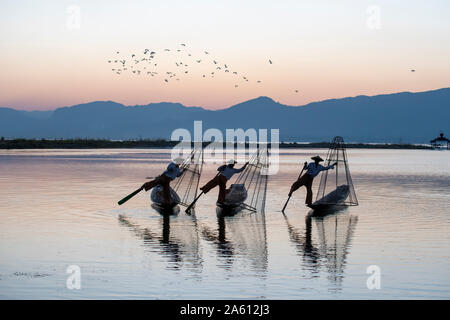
(8, 144)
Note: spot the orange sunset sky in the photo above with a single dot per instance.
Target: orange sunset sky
(55, 53)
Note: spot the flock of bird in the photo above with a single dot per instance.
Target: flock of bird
(147, 64)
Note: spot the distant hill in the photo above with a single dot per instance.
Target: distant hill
(401, 117)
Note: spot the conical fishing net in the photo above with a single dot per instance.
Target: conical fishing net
(336, 186)
(186, 185)
(254, 180)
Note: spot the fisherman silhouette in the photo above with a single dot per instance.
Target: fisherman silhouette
(225, 173)
(173, 171)
(313, 169)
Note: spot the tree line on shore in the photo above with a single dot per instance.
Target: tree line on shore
(161, 143)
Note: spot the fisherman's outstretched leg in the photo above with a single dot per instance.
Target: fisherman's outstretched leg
(297, 184)
(211, 184)
(151, 184)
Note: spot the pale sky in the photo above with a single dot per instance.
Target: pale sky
(324, 49)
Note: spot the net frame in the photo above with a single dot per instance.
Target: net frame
(336, 153)
(186, 185)
(254, 178)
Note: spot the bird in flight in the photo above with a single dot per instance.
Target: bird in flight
(146, 55)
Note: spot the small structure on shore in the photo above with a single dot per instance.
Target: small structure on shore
(440, 142)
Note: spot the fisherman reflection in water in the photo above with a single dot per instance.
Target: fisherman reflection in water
(225, 173)
(173, 171)
(313, 169)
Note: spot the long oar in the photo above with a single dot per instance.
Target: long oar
(284, 207)
(193, 203)
(195, 200)
(289, 198)
(128, 197)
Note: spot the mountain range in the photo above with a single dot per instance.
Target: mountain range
(403, 117)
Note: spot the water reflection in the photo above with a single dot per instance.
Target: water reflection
(224, 248)
(177, 239)
(304, 244)
(241, 237)
(334, 234)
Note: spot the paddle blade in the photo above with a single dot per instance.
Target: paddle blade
(128, 197)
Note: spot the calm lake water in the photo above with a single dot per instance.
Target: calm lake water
(59, 208)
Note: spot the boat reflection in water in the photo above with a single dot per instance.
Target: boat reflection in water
(239, 238)
(329, 251)
(174, 237)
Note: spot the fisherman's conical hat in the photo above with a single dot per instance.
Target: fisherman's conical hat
(317, 158)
